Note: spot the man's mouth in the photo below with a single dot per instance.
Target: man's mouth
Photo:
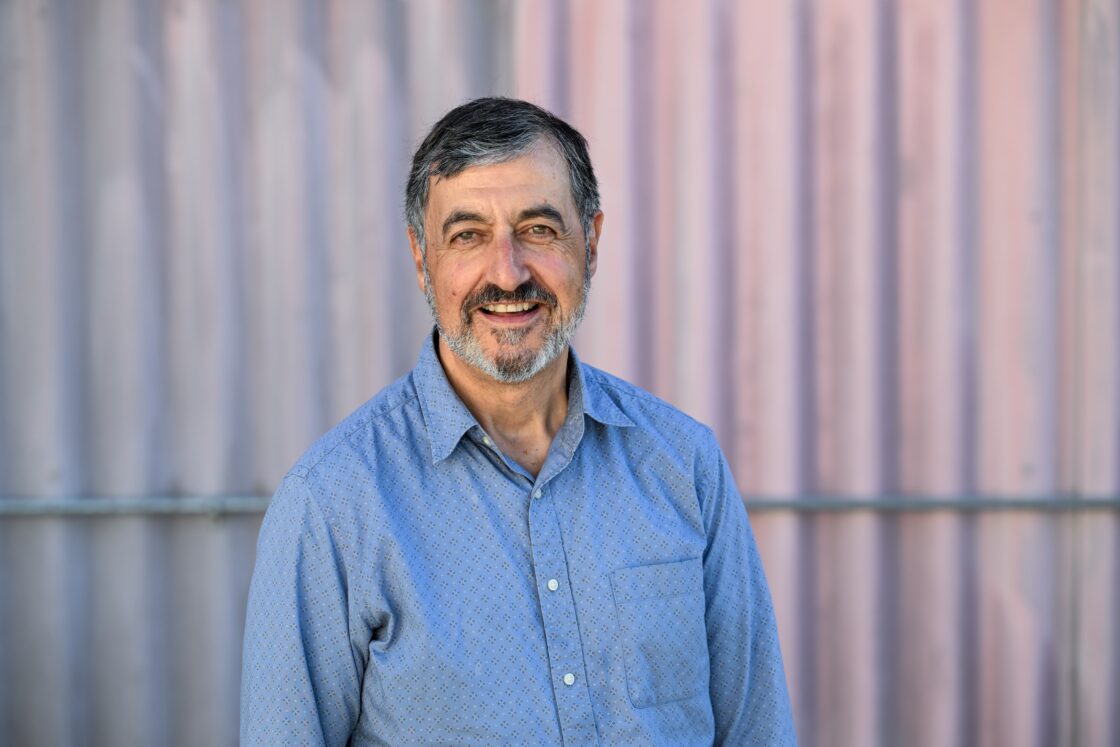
(498, 309)
(502, 308)
(510, 314)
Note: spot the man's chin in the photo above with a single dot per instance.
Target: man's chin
(517, 366)
(512, 351)
(509, 338)
(509, 364)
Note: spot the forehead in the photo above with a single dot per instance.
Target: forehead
(540, 174)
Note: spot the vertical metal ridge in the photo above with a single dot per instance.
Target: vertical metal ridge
(874, 244)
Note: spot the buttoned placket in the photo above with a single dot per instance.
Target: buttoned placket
(565, 652)
(558, 611)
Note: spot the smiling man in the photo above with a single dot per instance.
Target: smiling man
(507, 546)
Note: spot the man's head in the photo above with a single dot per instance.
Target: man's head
(503, 212)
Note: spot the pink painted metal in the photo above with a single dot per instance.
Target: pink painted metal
(874, 245)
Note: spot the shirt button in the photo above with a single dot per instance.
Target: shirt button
(553, 584)
(569, 679)
(536, 493)
(486, 440)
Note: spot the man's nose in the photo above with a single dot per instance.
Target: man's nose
(507, 268)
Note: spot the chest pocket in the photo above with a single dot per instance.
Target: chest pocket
(661, 625)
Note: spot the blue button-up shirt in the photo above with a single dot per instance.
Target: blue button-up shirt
(414, 586)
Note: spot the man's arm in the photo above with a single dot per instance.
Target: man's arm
(300, 682)
(748, 689)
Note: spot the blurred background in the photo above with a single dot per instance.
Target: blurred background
(874, 243)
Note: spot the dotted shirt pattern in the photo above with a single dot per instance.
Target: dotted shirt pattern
(415, 587)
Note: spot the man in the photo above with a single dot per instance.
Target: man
(507, 546)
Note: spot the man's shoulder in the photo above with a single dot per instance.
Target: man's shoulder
(644, 409)
(391, 412)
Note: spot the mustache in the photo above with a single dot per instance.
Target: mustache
(528, 292)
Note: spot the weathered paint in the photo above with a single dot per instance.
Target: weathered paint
(874, 244)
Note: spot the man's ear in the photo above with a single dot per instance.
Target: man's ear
(417, 258)
(593, 241)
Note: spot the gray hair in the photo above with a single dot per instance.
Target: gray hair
(494, 130)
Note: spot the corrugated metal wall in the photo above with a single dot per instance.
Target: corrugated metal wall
(874, 243)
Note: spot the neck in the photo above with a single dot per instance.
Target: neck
(522, 418)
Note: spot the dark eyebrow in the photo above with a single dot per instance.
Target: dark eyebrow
(544, 210)
(461, 216)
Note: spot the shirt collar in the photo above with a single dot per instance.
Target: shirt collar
(447, 418)
(445, 415)
(585, 390)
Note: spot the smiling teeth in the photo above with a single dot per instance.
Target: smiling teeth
(508, 308)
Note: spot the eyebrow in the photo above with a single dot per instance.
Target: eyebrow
(462, 216)
(543, 210)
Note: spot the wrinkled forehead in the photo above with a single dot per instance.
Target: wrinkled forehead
(539, 174)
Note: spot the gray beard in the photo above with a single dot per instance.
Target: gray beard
(519, 366)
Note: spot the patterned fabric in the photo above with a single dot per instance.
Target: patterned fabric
(415, 587)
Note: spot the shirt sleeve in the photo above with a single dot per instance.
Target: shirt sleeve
(300, 683)
(748, 691)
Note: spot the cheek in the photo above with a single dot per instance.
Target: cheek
(454, 280)
(567, 275)
(449, 297)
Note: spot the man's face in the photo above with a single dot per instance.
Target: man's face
(507, 267)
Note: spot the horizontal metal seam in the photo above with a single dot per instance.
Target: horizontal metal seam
(233, 505)
(923, 504)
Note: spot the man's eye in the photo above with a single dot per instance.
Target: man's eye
(465, 237)
(541, 231)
